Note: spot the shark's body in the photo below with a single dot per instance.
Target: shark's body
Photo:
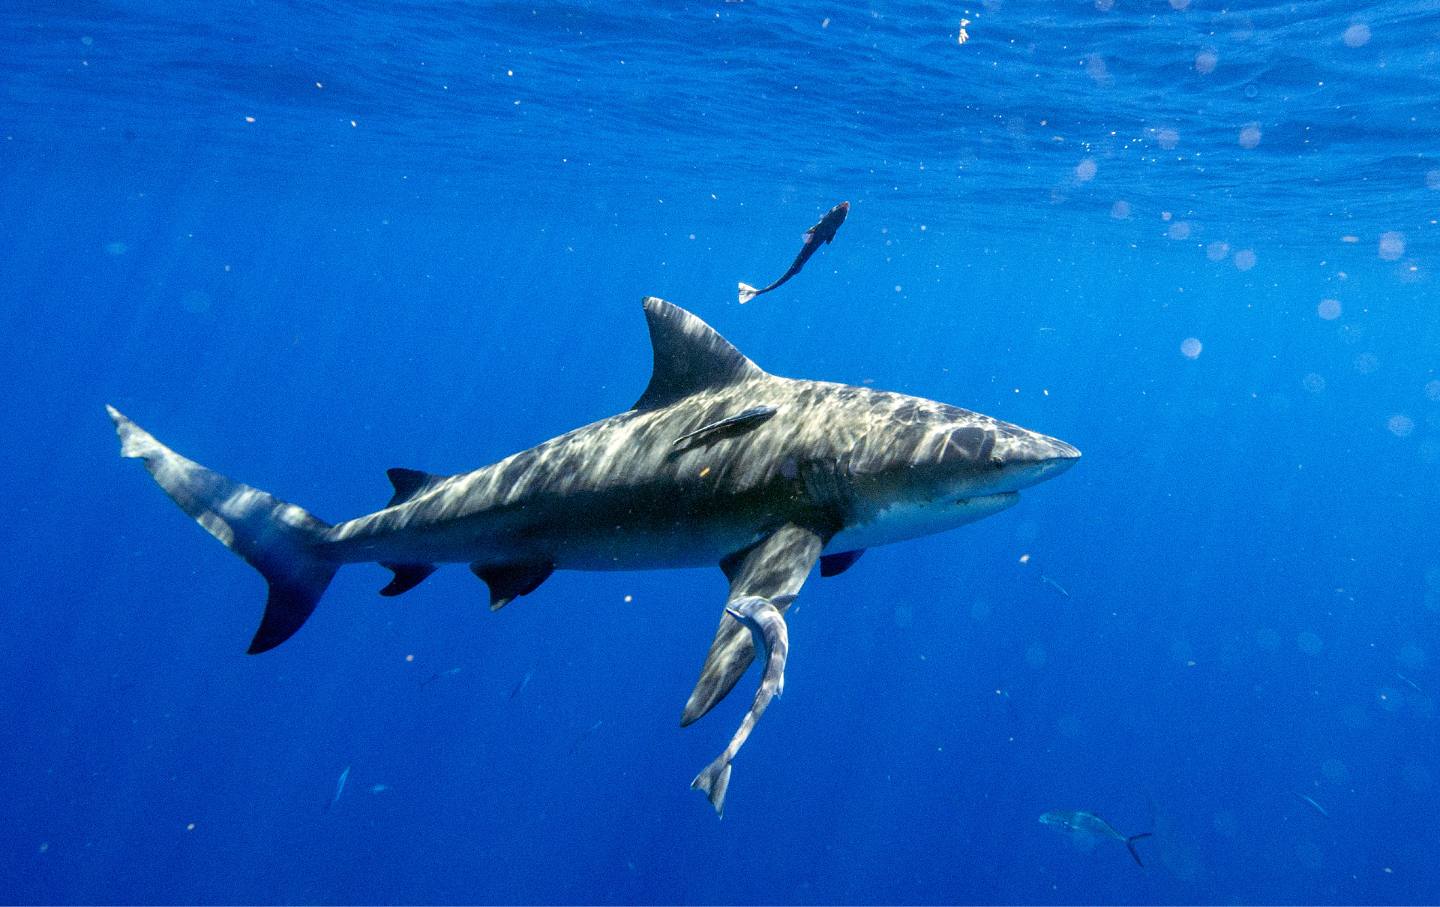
(718, 462)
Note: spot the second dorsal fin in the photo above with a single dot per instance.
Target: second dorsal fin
(409, 483)
(689, 356)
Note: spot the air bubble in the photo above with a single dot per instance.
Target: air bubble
(1357, 35)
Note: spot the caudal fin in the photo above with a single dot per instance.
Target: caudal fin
(1130, 843)
(747, 293)
(715, 781)
(278, 539)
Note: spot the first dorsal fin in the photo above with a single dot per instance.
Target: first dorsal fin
(689, 356)
(409, 483)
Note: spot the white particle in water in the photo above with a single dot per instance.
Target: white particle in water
(1190, 348)
(1250, 135)
(1400, 425)
(1245, 259)
(1328, 309)
(1392, 245)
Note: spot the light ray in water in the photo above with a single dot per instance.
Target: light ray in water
(1316, 806)
(339, 788)
(438, 675)
(524, 682)
(1059, 588)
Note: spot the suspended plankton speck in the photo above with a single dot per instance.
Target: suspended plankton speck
(1167, 138)
(1400, 425)
(1249, 135)
(1179, 4)
(1432, 390)
(249, 119)
(1085, 170)
(1104, 5)
(1179, 230)
(1351, 240)
(1205, 61)
(1432, 179)
(1120, 210)
(1392, 245)
(1190, 348)
(1245, 259)
(629, 599)
(1217, 250)
(1313, 383)
(1328, 309)
(1357, 35)
(1309, 643)
(410, 658)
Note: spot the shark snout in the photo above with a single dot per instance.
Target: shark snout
(1029, 457)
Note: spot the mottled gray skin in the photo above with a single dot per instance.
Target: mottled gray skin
(717, 463)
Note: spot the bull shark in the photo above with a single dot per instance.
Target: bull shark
(718, 462)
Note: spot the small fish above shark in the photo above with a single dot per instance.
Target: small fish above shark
(823, 233)
(717, 463)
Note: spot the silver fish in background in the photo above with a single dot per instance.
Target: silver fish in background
(772, 475)
(1078, 822)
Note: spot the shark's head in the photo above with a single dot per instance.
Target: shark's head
(913, 467)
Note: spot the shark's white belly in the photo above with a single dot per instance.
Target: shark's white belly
(901, 521)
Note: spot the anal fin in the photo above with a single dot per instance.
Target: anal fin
(508, 582)
(407, 577)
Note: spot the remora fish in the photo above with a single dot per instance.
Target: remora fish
(835, 469)
(1083, 823)
(768, 633)
(823, 233)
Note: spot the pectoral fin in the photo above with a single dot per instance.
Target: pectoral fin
(775, 569)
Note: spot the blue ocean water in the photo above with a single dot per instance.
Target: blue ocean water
(305, 242)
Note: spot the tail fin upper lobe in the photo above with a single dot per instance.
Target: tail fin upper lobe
(278, 539)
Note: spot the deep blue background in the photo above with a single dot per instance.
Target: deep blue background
(435, 257)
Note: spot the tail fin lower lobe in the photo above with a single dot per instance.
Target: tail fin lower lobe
(278, 539)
